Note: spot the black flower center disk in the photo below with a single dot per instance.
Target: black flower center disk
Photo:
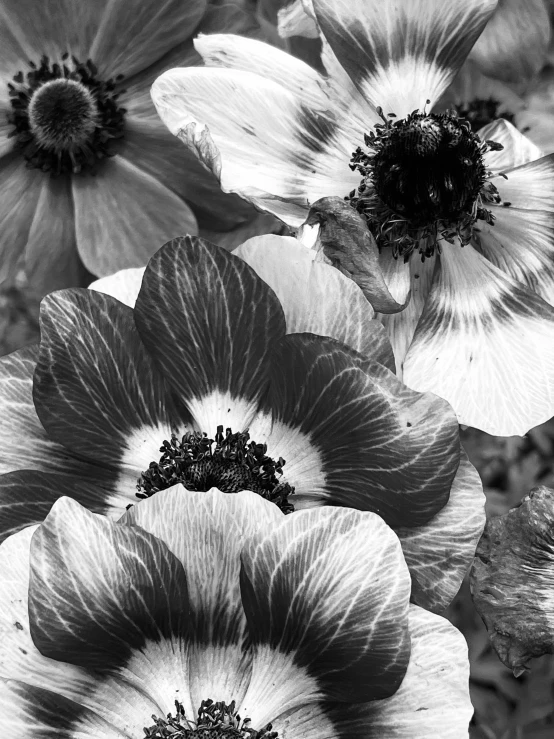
(423, 179)
(230, 462)
(64, 117)
(214, 721)
(479, 112)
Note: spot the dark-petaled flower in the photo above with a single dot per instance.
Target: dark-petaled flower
(463, 228)
(276, 380)
(215, 615)
(87, 170)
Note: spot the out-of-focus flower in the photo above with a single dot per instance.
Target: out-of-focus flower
(214, 615)
(512, 580)
(86, 166)
(471, 249)
(287, 374)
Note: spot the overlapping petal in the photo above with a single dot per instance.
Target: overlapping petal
(399, 55)
(486, 344)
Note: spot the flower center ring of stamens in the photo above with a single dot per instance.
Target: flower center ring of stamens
(214, 721)
(423, 179)
(230, 462)
(64, 117)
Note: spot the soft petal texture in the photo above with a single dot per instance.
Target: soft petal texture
(381, 446)
(19, 194)
(439, 554)
(123, 285)
(327, 591)
(250, 55)
(94, 383)
(399, 55)
(206, 532)
(280, 162)
(415, 277)
(29, 712)
(518, 149)
(315, 297)
(433, 699)
(26, 496)
(132, 34)
(209, 323)
(123, 215)
(486, 344)
(514, 43)
(297, 19)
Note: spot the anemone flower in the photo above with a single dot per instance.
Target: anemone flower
(279, 384)
(205, 614)
(86, 167)
(474, 248)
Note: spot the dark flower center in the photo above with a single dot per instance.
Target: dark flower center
(64, 117)
(423, 178)
(214, 721)
(480, 112)
(230, 462)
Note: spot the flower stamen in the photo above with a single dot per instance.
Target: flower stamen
(235, 463)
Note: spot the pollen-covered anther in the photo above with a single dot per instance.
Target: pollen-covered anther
(230, 462)
(423, 179)
(64, 117)
(215, 720)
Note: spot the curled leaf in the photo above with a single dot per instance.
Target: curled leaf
(347, 242)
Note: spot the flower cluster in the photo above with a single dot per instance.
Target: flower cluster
(233, 498)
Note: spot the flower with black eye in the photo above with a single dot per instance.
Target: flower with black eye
(213, 616)
(463, 226)
(260, 370)
(87, 171)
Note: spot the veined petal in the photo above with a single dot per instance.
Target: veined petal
(209, 323)
(131, 35)
(316, 298)
(250, 55)
(123, 285)
(436, 685)
(440, 553)
(513, 46)
(29, 712)
(415, 277)
(380, 446)
(325, 595)
(399, 55)
(119, 703)
(96, 390)
(485, 343)
(206, 532)
(518, 149)
(529, 186)
(123, 215)
(269, 147)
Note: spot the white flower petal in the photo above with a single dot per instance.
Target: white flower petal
(123, 285)
(518, 149)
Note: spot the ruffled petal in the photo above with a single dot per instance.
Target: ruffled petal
(209, 323)
(118, 702)
(518, 149)
(316, 298)
(399, 55)
(29, 712)
(439, 554)
(436, 686)
(486, 344)
(369, 442)
(131, 34)
(123, 215)
(414, 277)
(269, 147)
(19, 194)
(325, 595)
(514, 44)
(95, 389)
(206, 532)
